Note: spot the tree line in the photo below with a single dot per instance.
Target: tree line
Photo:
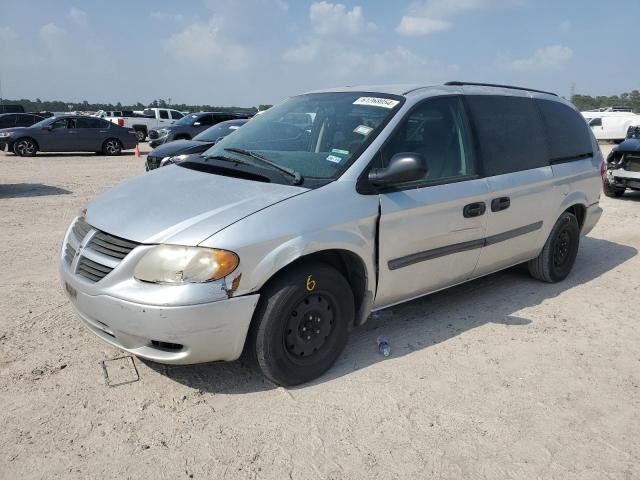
(38, 105)
(587, 102)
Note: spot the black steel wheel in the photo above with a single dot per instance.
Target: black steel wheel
(301, 324)
(25, 147)
(559, 252)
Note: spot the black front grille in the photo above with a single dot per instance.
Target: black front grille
(153, 162)
(69, 253)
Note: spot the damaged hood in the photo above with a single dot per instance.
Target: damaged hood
(181, 206)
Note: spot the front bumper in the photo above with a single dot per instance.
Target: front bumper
(622, 178)
(163, 323)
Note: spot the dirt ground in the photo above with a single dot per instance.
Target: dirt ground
(504, 377)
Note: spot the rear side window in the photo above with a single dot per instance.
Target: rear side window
(164, 114)
(567, 130)
(510, 133)
(176, 115)
(7, 121)
(595, 122)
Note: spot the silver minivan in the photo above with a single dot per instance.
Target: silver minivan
(283, 236)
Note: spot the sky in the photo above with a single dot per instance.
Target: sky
(250, 52)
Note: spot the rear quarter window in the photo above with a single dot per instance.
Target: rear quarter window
(567, 130)
(510, 133)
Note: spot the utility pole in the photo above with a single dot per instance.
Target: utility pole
(573, 91)
(0, 91)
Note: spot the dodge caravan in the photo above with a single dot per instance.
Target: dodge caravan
(282, 237)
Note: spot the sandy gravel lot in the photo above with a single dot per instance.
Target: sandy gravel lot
(504, 377)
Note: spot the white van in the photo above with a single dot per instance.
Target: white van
(611, 125)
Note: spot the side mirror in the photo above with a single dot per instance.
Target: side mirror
(196, 124)
(403, 167)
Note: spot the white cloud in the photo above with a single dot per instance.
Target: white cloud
(430, 16)
(78, 16)
(410, 25)
(205, 43)
(334, 19)
(552, 57)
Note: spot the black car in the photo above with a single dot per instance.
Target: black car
(10, 120)
(200, 143)
(68, 133)
(190, 125)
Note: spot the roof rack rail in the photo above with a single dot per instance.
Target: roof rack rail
(500, 86)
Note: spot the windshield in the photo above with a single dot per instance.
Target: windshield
(220, 130)
(187, 120)
(317, 135)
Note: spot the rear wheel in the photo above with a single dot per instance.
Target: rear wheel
(112, 146)
(559, 253)
(301, 324)
(25, 147)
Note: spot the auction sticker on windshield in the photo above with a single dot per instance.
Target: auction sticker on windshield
(377, 102)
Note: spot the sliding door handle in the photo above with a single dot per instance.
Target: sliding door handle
(499, 204)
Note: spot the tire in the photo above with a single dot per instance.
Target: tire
(301, 324)
(611, 191)
(141, 135)
(112, 146)
(25, 147)
(559, 253)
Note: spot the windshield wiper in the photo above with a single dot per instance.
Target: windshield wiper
(297, 178)
(225, 159)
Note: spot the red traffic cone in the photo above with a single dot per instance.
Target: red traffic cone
(137, 151)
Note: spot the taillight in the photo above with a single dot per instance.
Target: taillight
(121, 122)
(603, 170)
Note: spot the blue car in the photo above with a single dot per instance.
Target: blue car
(68, 133)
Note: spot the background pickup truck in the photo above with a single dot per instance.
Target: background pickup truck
(142, 123)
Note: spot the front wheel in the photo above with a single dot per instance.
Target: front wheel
(141, 135)
(113, 146)
(559, 253)
(301, 324)
(25, 147)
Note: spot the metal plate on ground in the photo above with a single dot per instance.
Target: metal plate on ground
(119, 371)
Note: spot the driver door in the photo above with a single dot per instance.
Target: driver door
(431, 231)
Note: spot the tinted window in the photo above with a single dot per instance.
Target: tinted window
(88, 122)
(595, 122)
(510, 133)
(176, 115)
(205, 120)
(438, 130)
(164, 114)
(566, 129)
(11, 109)
(34, 119)
(7, 121)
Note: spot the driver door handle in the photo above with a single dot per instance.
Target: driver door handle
(474, 209)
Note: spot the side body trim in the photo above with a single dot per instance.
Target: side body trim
(461, 247)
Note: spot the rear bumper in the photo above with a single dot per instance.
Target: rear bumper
(183, 334)
(594, 212)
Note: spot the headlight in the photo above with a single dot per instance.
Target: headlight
(169, 160)
(176, 264)
(5, 134)
(163, 132)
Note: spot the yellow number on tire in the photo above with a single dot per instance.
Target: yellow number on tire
(311, 284)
